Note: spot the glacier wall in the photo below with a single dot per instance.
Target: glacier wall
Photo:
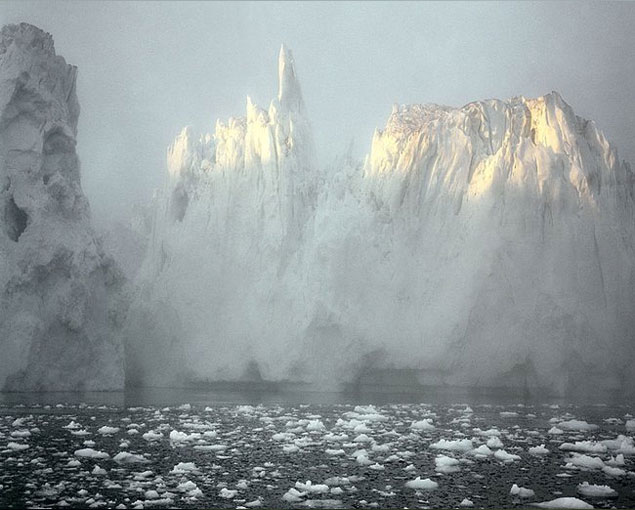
(61, 306)
(488, 245)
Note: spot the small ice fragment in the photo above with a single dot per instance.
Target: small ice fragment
(419, 484)
(98, 471)
(90, 453)
(129, 458)
(425, 424)
(494, 442)
(521, 492)
(107, 431)
(227, 493)
(596, 491)
(506, 457)
(538, 450)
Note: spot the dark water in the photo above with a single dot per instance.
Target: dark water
(253, 447)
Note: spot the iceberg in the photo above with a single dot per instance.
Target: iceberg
(488, 245)
(61, 299)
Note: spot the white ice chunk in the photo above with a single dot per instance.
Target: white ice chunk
(419, 484)
(521, 492)
(596, 491)
(564, 503)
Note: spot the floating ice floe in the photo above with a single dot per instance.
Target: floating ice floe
(502, 455)
(309, 487)
(579, 425)
(488, 432)
(282, 436)
(584, 446)
(521, 492)
(184, 467)
(564, 503)
(210, 447)
(482, 451)
(466, 503)
(98, 471)
(17, 446)
(151, 435)
(107, 431)
(596, 491)
(618, 460)
(186, 486)
(90, 453)
(494, 442)
(183, 437)
(419, 484)
(129, 458)
(584, 461)
(293, 495)
(458, 445)
(538, 450)
(622, 444)
(322, 503)
(315, 425)
(424, 424)
(335, 438)
(445, 464)
(227, 493)
(613, 471)
(363, 460)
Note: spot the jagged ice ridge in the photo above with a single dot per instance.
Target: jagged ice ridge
(487, 245)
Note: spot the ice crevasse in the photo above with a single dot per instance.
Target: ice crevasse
(487, 245)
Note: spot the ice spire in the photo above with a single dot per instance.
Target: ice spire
(289, 94)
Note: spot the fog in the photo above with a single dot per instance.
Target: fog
(148, 69)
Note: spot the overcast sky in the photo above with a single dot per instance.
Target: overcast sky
(146, 69)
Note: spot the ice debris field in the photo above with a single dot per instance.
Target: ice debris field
(317, 456)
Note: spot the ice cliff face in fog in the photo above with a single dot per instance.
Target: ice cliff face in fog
(488, 245)
(59, 310)
(237, 205)
(512, 225)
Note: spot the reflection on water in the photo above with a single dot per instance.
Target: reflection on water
(264, 393)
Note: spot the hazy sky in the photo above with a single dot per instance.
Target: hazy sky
(148, 68)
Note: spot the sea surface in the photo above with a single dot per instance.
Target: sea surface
(198, 449)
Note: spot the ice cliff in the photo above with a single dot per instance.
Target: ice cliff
(487, 245)
(60, 301)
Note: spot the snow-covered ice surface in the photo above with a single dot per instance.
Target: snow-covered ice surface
(280, 454)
